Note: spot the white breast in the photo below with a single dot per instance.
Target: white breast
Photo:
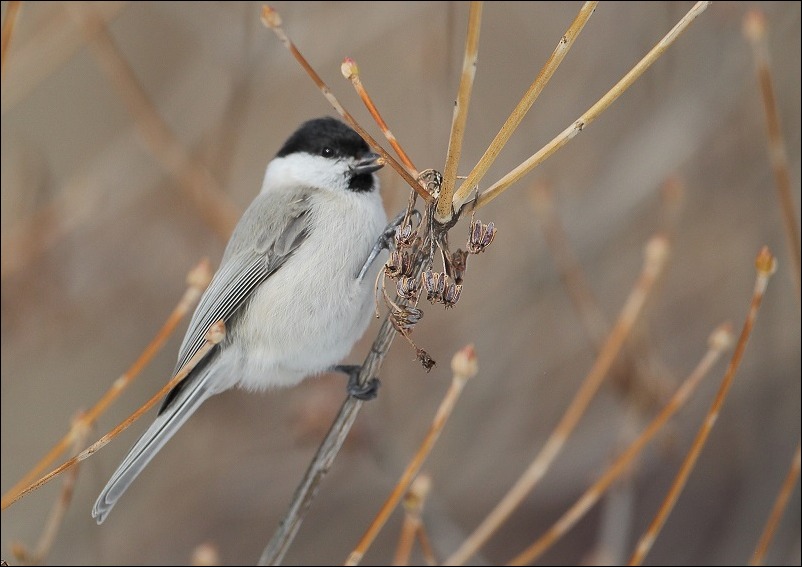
(307, 316)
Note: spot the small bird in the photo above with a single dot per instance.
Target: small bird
(294, 286)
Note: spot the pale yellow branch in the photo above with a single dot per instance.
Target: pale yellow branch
(444, 212)
(55, 518)
(413, 503)
(563, 47)
(755, 31)
(583, 121)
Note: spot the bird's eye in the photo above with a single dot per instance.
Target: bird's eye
(327, 152)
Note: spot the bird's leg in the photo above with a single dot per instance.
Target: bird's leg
(366, 391)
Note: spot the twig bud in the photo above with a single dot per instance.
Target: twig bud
(270, 17)
(349, 69)
(200, 276)
(765, 263)
(754, 25)
(721, 338)
(464, 364)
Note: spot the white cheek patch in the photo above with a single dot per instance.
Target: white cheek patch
(306, 170)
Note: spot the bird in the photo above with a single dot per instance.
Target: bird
(294, 285)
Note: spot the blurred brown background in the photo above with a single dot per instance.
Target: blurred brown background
(98, 237)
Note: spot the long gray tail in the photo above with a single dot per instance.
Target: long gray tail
(163, 428)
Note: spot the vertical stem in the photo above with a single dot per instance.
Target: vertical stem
(444, 209)
(530, 96)
(755, 31)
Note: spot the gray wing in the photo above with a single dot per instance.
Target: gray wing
(264, 239)
(266, 236)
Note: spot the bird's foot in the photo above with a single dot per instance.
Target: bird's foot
(367, 391)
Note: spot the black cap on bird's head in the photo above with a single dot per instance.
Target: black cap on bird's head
(327, 137)
(331, 138)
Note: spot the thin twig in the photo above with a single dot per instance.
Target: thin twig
(215, 334)
(720, 340)
(406, 538)
(350, 71)
(12, 11)
(329, 448)
(214, 206)
(765, 265)
(56, 517)
(272, 20)
(444, 211)
(426, 546)
(755, 31)
(463, 366)
(197, 281)
(413, 503)
(777, 510)
(583, 121)
(530, 96)
(656, 252)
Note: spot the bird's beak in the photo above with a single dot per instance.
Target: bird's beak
(368, 164)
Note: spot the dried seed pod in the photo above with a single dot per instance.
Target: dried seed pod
(405, 236)
(489, 234)
(458, 265)
(451, 294)
(435, 284)
(407, 287)
(405, 318)
(480, 236)
(398, 264)
(426, 360)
